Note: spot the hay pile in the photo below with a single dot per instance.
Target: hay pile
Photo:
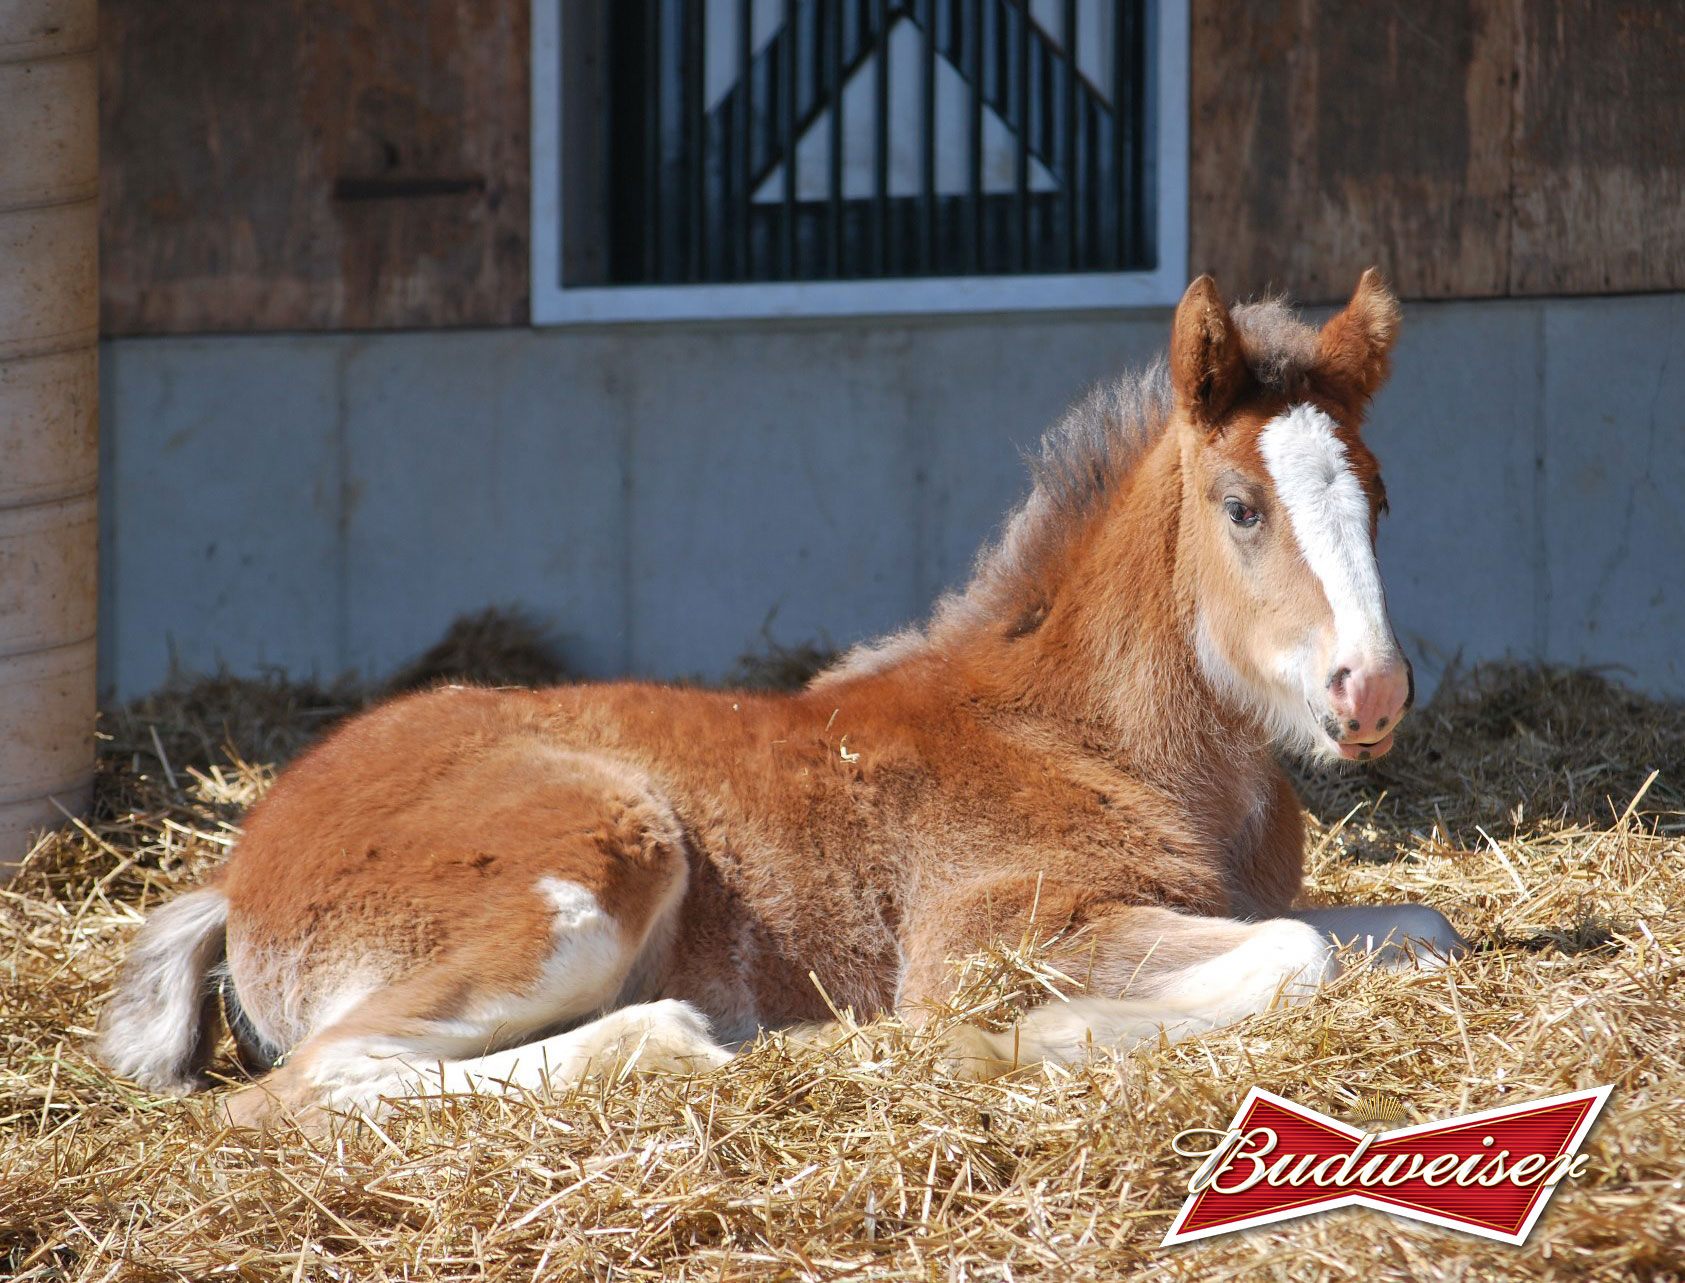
(1518, 805)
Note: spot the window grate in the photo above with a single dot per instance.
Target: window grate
(835, 140)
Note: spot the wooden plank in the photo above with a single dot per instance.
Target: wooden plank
(1600, 147)
(1329, 135)
(313, 164)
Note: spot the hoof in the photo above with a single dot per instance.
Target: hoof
(251, 1109)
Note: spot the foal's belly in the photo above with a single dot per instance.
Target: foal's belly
(765, 947)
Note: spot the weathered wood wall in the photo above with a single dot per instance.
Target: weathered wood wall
(1473, 148)
(313, 164)
(346, 164)
(1599, 175)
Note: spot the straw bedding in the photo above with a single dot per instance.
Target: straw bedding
(1517, 804)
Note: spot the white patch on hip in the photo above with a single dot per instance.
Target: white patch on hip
(588, 960)
(1330, 517)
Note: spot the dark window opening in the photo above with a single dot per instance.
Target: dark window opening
(825, 140)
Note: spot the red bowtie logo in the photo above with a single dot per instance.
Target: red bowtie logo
(1489, 1174)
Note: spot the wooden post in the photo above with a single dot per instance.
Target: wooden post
(49, 400)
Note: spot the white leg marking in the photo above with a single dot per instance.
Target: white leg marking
(584, 971)
(587, 967)
(1281, 960)
(666, 1035)
(357, 1074)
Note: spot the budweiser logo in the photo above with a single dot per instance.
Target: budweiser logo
(1489, 1174)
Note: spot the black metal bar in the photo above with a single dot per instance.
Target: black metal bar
(880, 154)
(1089, 158)
(1021, 128)
(1137, 137)
(690, 186)
(927, 164)
(973, 36)
(652, 141)
(810, 96)
(1047, 137)
(787, 90)
(691, 77)
(1069, 30)
(810, 101)
(744, 109)
(834, 78)
(1123, 132)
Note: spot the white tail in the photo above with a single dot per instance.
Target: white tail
(154, 1029)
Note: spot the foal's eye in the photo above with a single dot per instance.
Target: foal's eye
(1240, 514)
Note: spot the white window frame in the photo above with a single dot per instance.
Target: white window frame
(556, 304)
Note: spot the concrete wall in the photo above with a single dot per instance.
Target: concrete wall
(663, 494)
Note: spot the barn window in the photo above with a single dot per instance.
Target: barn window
(702, 158)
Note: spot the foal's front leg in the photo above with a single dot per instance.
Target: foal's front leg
(1140, 972)
(1399, 935)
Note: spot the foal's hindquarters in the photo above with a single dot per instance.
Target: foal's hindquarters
(476, 887)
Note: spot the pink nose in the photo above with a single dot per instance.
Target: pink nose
(1366, 699)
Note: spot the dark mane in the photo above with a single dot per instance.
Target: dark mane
(1085, 454)
(1079, 462)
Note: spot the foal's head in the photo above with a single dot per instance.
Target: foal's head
(1280, 504)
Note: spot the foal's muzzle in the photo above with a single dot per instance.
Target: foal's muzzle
(1366, 700)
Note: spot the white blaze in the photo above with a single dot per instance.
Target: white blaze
(1330, 516)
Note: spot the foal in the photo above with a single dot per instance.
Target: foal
(475, 889)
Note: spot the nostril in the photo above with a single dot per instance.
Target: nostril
(1338, 680)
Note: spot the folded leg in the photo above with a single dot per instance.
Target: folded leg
(1400, 935)
(1139, 972)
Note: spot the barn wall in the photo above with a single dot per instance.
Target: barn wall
(670, 496)
(1474, 148)
(279, 492)
(363, 164)
(313, 164)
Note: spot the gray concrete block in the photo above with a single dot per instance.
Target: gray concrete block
(317, 502)
(1614, 424)
(219, 507)
(774, 486)
(1455, 431)
(483, 469)
(983, 393)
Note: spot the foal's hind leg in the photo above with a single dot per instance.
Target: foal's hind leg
(562, 924)
(358, 1067)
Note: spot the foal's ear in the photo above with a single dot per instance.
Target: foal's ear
(1207, 367)
(1354, 348)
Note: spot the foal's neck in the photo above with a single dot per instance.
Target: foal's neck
(1114, 659)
